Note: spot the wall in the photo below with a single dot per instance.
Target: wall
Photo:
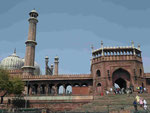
(80, 90)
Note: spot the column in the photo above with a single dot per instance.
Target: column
(28, 68)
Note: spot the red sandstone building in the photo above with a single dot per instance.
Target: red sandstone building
(109, 65)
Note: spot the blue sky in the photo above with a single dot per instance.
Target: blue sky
(68, 28)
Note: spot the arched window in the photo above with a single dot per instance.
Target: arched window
(99, 84)
(140, 72)
(98, 73)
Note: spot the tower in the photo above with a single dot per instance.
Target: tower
(56, 65)
(46, 65)
(28, 68)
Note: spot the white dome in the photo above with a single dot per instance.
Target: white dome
(12, 62)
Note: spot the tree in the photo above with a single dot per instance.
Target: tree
(10, 85)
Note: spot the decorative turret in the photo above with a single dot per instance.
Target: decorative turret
(52, 68)
(56, 65)
(48, 70)
(46, 65)
(28, 68)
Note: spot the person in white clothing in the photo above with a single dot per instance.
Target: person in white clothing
(145, 104)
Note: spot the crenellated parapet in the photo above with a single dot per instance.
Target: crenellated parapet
(15, 72)
(117, 53)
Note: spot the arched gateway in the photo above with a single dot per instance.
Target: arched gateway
(121, 77)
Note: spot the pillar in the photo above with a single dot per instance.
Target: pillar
(46, 65)
(30, 90)
(38, 89)
(56, 66)
(64, 90)
(28, 68)
(102, 54)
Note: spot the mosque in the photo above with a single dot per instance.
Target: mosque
(121, 65)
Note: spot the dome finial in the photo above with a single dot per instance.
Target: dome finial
(15, 51)
(132, 43)
(92, 47)
(102, 44)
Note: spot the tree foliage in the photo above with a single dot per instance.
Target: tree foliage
(10, 85)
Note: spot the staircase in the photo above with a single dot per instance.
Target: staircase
(110, 103)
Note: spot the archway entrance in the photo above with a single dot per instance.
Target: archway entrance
(121, 82)
(121, 77)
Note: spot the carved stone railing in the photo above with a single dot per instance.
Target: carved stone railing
(116, 58)
(53, 77)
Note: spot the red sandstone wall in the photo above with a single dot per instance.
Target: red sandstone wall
(80, 90)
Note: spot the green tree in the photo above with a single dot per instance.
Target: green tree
(10, 85)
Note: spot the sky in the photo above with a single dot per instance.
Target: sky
(68, 28)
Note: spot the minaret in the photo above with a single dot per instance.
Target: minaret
(46, 65)
(52, 67)
(56, 65)
(28, 68)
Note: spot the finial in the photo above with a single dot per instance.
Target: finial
(92, 47)
(15, 51)
(101, 44)
(132, 43)
(139, 47)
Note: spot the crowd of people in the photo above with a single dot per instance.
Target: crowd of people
(115, 90)
(141, 102)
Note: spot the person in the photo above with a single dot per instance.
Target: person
(145, 104)
(141, 102)
(137, 98)
(111, 89)
(128, 92)
(107, 92)
(141, 89)
(144, 89)
(122, 91)
(135, 105)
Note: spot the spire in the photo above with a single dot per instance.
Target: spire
(102, 48)
(132, 43)
(92, 47)
(15, 51)
(139, 47)
(56, 65)
(102, 44)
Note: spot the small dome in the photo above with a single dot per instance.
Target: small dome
(33, 13)
(56, 57)
(12, 62)
(46, 57)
